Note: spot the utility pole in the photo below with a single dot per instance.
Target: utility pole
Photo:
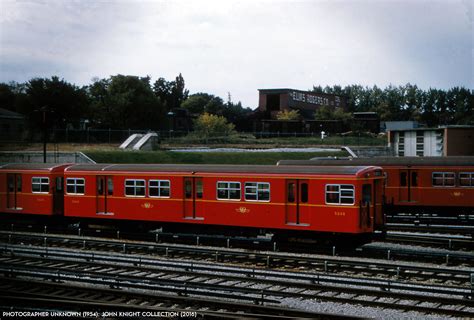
(43, 109)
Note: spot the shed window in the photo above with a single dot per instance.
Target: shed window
(134, 188)
(443, 179)
(466, 179)
(340, 194)
(75, 185)
(40, 185)
(228, 190)
(257, 191)
(159, 188)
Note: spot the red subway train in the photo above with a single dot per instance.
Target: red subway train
(442, 185)
(336, 200)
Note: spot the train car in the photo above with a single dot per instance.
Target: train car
(443, 185)
(342, 200)
(32, 188)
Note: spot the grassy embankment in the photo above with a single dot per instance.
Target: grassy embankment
(202, 157)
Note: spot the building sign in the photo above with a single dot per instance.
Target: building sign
(314, 98)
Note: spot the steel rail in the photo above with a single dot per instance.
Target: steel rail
(123, 275)
(448, 242)
(16, 292)
(326, 263)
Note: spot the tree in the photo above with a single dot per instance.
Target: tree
(7, 97)
(65, 103)
(203, 102)
(212, 126)
(288, 115)
(171, 93)
(133, 103)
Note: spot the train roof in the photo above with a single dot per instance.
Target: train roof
(196, 168)
(32, 166)
(383, 161)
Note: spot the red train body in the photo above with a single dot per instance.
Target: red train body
(414, 184)
(32, 188)
(341, 200)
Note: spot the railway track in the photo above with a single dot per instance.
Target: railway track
(429, 219)
(349, 265)
(235, 283)
(431, 228)
(451, 242)
(107, 302)
(373, 250)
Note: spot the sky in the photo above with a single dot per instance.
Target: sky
(238, 47)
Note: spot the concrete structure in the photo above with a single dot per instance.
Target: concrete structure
(433, 142)
(130, 142)
(272, 101)
(140, 141)
(11, 125)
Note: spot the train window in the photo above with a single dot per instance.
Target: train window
(40, 185)
(159, 188)
(385, 179)
(414, 179)
(199, 189)
(75, 185)
(366, 193)
(59, 184)
(18, 183)
(332, 193)
(188, 188)
(340, 194)
(110, 186)
(440, 179)
(228, 190)
(304, 192)
(466, 179)
(100, 186)
(291, 192)
(347, 194)
(11, 183)
(134, 188)
(403, 179)
(449, 178)
(257, 191)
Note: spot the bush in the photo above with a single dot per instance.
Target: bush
(211, 126)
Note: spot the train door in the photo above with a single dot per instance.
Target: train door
(297, 210)
(367, 206)
(378, 214)
(104, 189)
(193, 193)
(58, 196)
(409, 185)
(414, 183)
(14, 186)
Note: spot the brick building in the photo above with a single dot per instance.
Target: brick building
(272, 101)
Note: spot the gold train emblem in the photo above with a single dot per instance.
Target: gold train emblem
(147, 205)
(242, 210)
